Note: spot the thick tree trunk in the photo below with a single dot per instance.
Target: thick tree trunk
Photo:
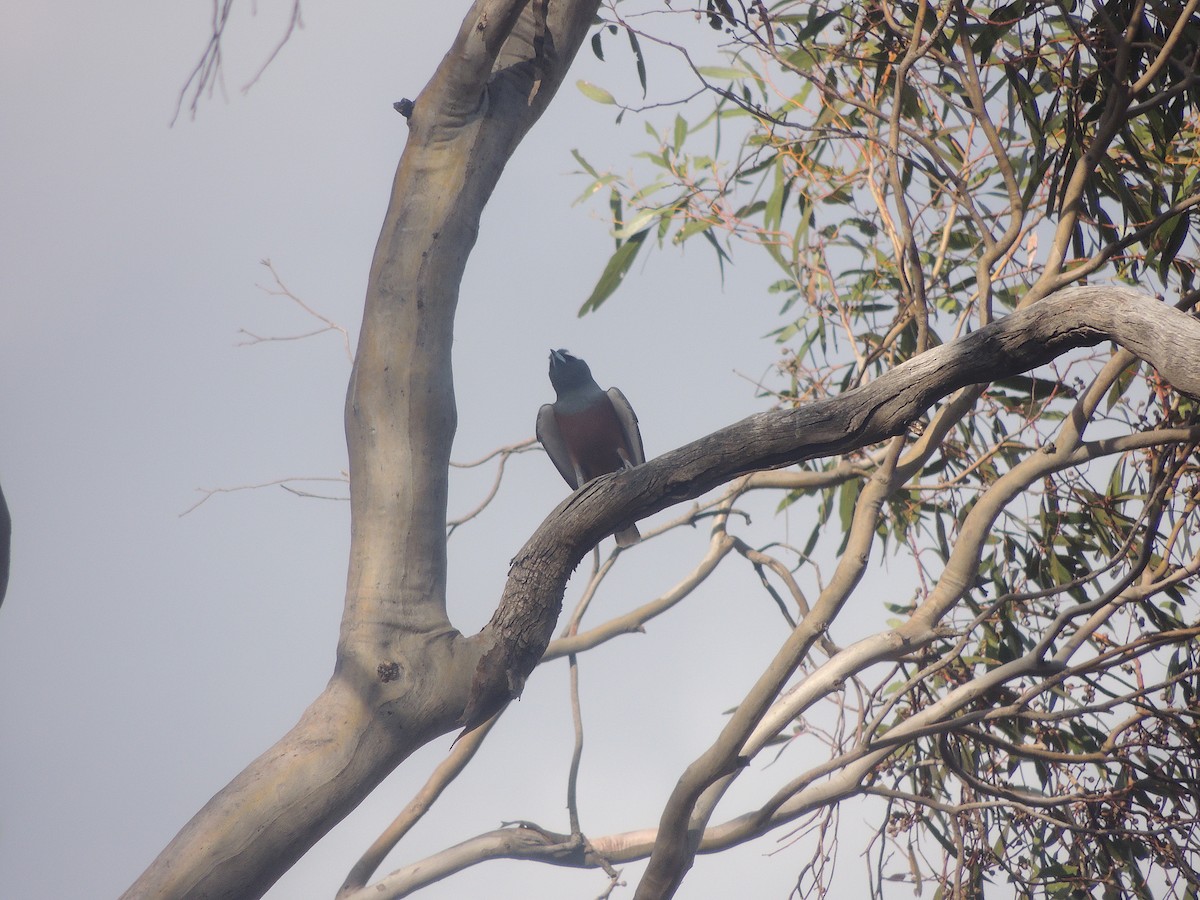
(403, 673)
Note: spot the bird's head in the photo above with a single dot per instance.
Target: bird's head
(568, 372)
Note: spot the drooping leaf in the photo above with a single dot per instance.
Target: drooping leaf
(637, 55)
(681, 132)
(1175, 234)
(640, 222)
(614, 273)
(587, 167)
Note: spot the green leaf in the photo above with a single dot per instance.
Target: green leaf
(681, 132)
(816, 22)
(800, 60)
(602, 182)
(847, 500)
(587, 167)
(614, 273)
(616, 209)
(637, 54)
(1120, 386)
(640, 222)
(1035, 388)
(722, 256)
(1175, 233)
(649, 190)
(724, 73)
(594, 92)
(694, 227)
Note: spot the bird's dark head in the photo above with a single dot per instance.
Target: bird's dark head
(568, 372)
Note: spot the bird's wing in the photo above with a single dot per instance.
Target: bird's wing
(629, 424)
(552, 441)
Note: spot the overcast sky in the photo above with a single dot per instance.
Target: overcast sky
(145, 657)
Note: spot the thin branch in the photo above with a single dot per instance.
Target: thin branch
(207, 71)
(519, 447)
(504, 453)
(282, 290)
(294, 22)
(285, 483)
(461, 754)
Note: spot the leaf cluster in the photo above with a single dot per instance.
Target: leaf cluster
(909, 172)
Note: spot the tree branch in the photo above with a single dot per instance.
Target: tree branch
(1075, 317)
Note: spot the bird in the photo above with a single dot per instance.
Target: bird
(588, 432)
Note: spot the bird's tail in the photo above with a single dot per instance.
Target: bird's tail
(627, 537)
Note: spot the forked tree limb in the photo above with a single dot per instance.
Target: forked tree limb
(402, 672)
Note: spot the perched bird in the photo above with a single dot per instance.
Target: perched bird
(588, 432)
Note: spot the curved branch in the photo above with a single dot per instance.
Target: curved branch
(504, 453)
(515, 638)
(634, 621)
(526, 841)
(518, 633)
(441, 778)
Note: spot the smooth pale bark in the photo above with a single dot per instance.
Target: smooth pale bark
(404, 675)
(402, 671)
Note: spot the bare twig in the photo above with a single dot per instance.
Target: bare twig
(285, 483)
(207, 73)
(294, 22)
(503, 453)
(281, 290)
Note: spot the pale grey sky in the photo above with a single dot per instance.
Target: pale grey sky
(145, 658)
